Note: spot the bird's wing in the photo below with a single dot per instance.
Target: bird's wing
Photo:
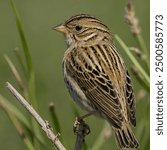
(130, 100)
(97, 73)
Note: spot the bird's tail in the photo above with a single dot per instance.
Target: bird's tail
(125, 137)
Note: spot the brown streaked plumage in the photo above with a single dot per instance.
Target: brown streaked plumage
(96, 75)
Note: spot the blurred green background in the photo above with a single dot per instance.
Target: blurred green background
(47, 48)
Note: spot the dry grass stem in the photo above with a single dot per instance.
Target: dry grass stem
(131, 18)
(43, 123)
(138, 52)
(136, 72)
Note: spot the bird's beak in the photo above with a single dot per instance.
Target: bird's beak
(60, 28)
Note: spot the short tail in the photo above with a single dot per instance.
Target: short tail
(125, 137)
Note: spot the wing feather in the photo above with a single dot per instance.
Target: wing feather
(130, 100)
(98, 88)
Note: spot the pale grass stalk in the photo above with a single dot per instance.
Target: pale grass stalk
(43, 123)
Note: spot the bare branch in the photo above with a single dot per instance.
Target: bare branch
(43, 123)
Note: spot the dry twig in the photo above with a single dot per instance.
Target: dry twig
(43, 123)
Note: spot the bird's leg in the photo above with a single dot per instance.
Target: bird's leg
(80, 122)
(86, 115)
(81, 129)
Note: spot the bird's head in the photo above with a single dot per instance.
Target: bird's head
(84, 28)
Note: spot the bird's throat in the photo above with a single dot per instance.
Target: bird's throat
(69, 39)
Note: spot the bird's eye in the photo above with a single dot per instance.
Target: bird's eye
(78, 28)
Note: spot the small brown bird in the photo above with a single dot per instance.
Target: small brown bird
(97, 77)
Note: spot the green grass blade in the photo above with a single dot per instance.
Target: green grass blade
(140, 79)
(13, 110)
(30, 71)
(144, 85)
(10, 108)
(20, 60)
(20, 131)
(143, 48)
(133, 59)
(54, 117)
(23, 39)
